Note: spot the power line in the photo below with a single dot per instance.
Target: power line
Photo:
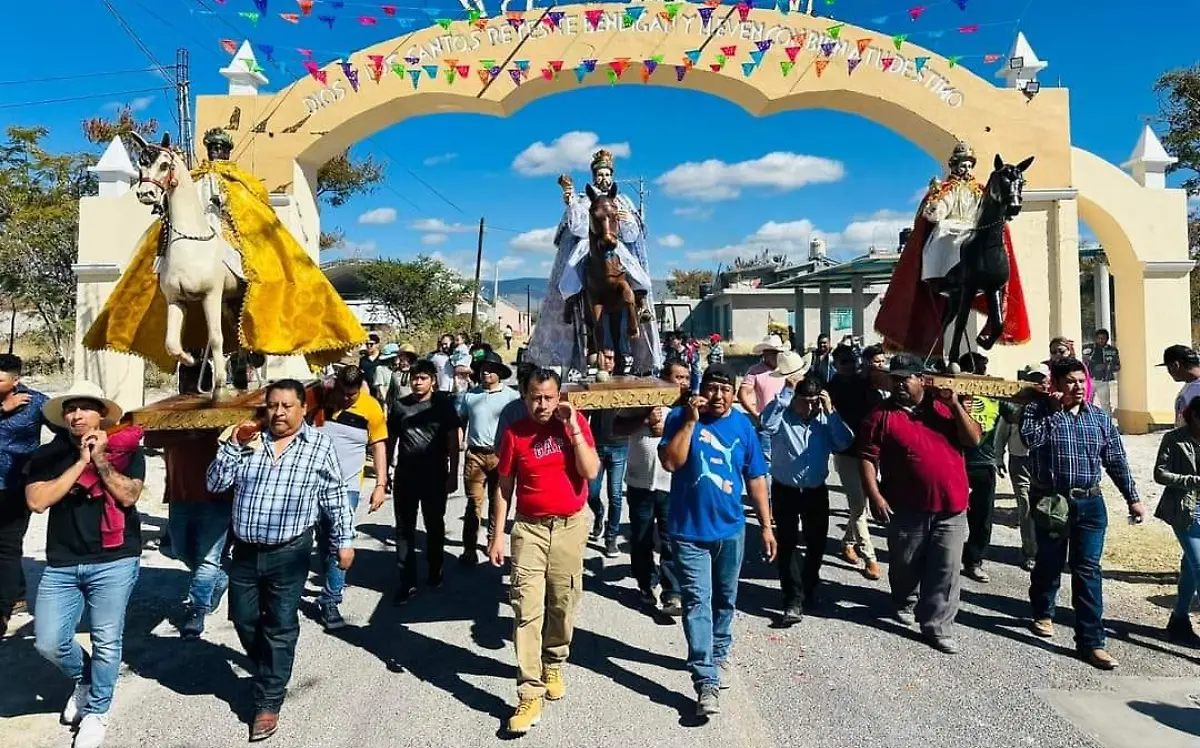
(137, 40)
(111, 94)
(81, 76)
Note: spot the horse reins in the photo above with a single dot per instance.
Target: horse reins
(170, 234)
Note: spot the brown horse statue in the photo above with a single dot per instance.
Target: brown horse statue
(608, 290)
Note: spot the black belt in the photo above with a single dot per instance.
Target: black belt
(268, 547)
(1072, 493)
(481, 450)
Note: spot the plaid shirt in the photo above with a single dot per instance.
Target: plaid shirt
(20, 435)
(1067, 450)
(277, 500)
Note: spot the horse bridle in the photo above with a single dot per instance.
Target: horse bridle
(163, 209)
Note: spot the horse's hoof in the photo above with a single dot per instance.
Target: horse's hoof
(186, 360)
(985, 341)
(954, 369)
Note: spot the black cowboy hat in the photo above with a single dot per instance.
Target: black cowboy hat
(492, 359)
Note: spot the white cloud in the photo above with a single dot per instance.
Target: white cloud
(441, 158)
(535, 240)
(432, 240)
(694, 212)
(378, 216)
(570, 151)
(880, 229)
(671, 240)
(140, 104)
(463, 263)
(438, 226)
(351, 250)
(715, 180)
(1194, 201)
(919, 195)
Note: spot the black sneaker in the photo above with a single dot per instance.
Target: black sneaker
(708, 703)
(435, 579)
(611, 548)
(404, 593)
(792, 614)
(977, 573)
(672, 605)
(597, 531)
(647, 599)
(1180, 631)
(331, 617)
(193, 624)
(468, 559)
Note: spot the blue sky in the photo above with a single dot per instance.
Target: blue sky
(722, 183)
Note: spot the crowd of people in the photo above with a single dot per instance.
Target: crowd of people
(250, 506)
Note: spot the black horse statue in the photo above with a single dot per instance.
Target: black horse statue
(983, 268)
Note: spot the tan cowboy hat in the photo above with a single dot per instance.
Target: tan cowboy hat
(407, 348)
(791, 364)
(770, 343)
(84, 390)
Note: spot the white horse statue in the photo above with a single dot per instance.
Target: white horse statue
(191, 265)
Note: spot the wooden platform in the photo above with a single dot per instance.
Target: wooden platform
(621, 392)
(191, 412)
(973, 384)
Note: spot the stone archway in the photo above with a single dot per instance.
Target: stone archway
(766, 62)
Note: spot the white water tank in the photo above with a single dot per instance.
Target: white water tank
(817, 249)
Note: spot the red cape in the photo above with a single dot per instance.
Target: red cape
(910, 314)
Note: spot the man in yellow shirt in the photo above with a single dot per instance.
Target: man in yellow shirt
(354, 421)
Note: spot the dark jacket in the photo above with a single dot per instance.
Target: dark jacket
(1176, 468)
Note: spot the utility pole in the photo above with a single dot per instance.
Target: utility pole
(528, 311)
(496, 293)
(183, 105)
(478, 265)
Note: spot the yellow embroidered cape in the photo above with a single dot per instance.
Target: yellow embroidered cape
(290, 307)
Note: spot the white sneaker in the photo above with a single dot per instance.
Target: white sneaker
(72, 712)
(91, 731)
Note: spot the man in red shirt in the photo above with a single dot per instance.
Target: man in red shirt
(916, 441)
(548, 457)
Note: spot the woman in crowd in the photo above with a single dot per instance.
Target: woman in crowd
(1177, 469)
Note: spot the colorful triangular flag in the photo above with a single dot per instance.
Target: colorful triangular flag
(650, 65)
(376, 67)
(757, 56)
(484, 76)
(969, 29)
(268, 51)
(515, 74)
(851, 63)
(557, 66)
(792, 50)
(835, 30)
(431, 71)
(821, 65)
(515, 19)
(672, 11)
(619, 66)
(290, 17)
(680, 71)
(589, 65)
(915, 13)
(786, 66)
(920, 63)
(463, 70)
(705, 15)
(612, 77)
(415, 77)
(729, 51)
(991, 58)
(399, 69)
(888, 62)
(962, 4)
(250, 16)
(748, 68)
(444, 23)
(327, 20)
(229, 45)
(693, 55)
(954, 60)
(367, 20)
(743, 10)
(473, 15)
(580, 73)
(898, 40)
(828, 47)
(305, 6)
(763, 45)
(261, 5)
(593, 17)
(863, 44)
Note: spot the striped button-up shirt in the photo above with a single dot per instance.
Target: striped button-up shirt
(277, 499)
(1067, 450)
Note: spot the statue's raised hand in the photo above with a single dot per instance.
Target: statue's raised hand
(568, 187)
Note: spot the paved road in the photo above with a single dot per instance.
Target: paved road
(440, 671)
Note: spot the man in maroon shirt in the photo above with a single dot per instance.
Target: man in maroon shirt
(916, 441)
(548, 457)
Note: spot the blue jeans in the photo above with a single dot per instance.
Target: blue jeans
(62, 594)
(1079, 550)
(708, 579)
(1189, 568)
(612, 464)
(335, 578)
(198, 533)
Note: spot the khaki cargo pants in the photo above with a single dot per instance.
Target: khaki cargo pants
(481, 483)
(547, 582)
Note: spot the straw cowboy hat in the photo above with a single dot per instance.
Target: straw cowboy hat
(52, 410)
(791, 364)
(769, 343)
(407, 349)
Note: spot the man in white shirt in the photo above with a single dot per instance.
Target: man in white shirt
(649, 493)
(1183, 364)
(1008, 439)
(441, 360)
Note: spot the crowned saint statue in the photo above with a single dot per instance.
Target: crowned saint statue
(911, 313)
(554, 341)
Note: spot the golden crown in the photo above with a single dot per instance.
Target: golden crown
(601, 159)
